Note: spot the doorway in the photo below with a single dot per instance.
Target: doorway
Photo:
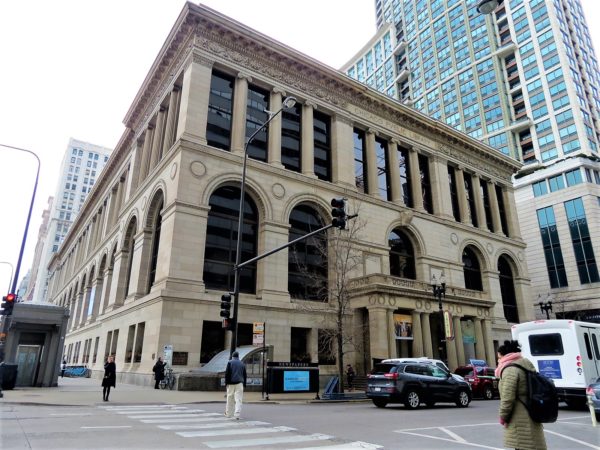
(28, 358)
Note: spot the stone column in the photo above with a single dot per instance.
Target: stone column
(172, 116)
(461, 193)
(417, 344)
(427, 345)
(451, 354)
(104, 298)
(195, 95)
(394, 168)
(146, 154)
(78, 308)
(440, 189)
(238, 119)
(378, 333)
(495, 210)
(117, 288)
(458, 339)
(510, 210)
(489, 343)
(415, 179)
(342, 152)
(274, 135)
(372, 181)
(158, 141)
(392, 343)
(307, 152)
(271, 282)
(480, 342)
(142, 247)
(479, 208)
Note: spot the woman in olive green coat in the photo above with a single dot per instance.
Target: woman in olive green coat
(520, 432)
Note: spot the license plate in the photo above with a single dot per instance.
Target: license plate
(377, 389)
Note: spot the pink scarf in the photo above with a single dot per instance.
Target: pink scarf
(506, 360)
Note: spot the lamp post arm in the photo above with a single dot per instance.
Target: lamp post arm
(24, 240)
(12, 270)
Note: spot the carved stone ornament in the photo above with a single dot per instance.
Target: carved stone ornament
(198, 169)
(454, 238)
(278, 190)
(490, 248)
(406, 218)
(173, 171)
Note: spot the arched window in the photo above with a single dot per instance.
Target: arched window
(128, 246)
(156, 225)
(402, 255)
(221, 240)
(507, 290)
(471, 270)
(307, 260)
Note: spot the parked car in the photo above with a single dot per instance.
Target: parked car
(593, 395)
(414, 383)
(484, 383)
(423, 359)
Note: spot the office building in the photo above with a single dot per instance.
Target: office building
(81, 166)
(151, 253)
(524, 80)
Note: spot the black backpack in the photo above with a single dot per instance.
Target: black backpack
(542, 399)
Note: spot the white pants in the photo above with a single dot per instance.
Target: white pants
(235, 393)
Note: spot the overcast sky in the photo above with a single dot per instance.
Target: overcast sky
(71, 68)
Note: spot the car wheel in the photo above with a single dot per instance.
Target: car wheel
(379, 402)
(463, 400)
(488, 393)
(412, 399)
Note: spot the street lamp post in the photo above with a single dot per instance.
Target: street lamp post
(545, 306)
(488, 6)
(288, 103)
(439, 292)
(24, 240)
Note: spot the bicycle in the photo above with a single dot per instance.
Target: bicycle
(169, 380)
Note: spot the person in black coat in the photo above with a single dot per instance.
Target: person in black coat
(159, 372)
(110, 377)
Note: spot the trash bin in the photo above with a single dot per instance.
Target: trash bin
(8, 375)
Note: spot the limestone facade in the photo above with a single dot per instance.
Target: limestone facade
(132, 267)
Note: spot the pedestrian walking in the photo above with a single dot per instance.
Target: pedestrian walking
(63, 367)
(235, 381)
(159, 372)
(110, 377)
(520, 431)
(350, 374)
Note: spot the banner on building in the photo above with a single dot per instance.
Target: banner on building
(448, 325)
(403, 326)
(468, 331)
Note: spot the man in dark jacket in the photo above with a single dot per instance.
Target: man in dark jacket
(235, 380)
(159, 372)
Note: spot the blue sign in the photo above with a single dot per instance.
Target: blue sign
(478, 362)
(296, 380)
(550, 368)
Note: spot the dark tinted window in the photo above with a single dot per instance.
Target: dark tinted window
(291, 137)
(256, 115)
(464, 371)
(588, 345)
(220, 110)
(546, 344)
(384, 368)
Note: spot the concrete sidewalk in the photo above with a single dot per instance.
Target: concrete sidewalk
(87, 392)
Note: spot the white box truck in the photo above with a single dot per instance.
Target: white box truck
(566, 351)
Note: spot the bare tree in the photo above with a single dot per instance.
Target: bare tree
(342, 251)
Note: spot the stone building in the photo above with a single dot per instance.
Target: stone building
(151, 252)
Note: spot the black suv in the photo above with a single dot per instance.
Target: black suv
(415, 383)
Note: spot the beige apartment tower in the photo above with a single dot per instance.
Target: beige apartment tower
(151, 253)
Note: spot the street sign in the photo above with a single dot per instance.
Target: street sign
(258, 336)
(168, 354)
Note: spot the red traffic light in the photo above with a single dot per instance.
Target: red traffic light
(10, 297)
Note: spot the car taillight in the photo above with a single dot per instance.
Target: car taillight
(391, 376)
(590, 391)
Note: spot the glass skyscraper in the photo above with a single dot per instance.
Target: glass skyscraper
(524, 80)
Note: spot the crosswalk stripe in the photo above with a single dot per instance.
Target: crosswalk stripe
(237, 431)
(224, 424)
(355, 444)
(152, 411)
(268, 441)
(195, 418)
(113, 408)
(165, 416)
(168, 413)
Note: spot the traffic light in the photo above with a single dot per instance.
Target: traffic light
(8, 303)
(339, 213)
(226, 306)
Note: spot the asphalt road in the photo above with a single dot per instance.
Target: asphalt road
(273, 426)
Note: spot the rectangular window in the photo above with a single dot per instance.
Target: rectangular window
(486, 205)
(291, 141)
(180, 358)
(322, 145)
(582, 242)
(502, 210)
(552, 250)
(383, 174)
(540, 188)
(220, 110)
(107, 347)
(556, 183)
(115, 341)
(139, 342)
(360, 160)
(129, 348)
(326, 347)
(546, 344)
(96, 344)
(573, 177)
(425, 183)
(404, 165)
(256, 115)
(453, 193)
